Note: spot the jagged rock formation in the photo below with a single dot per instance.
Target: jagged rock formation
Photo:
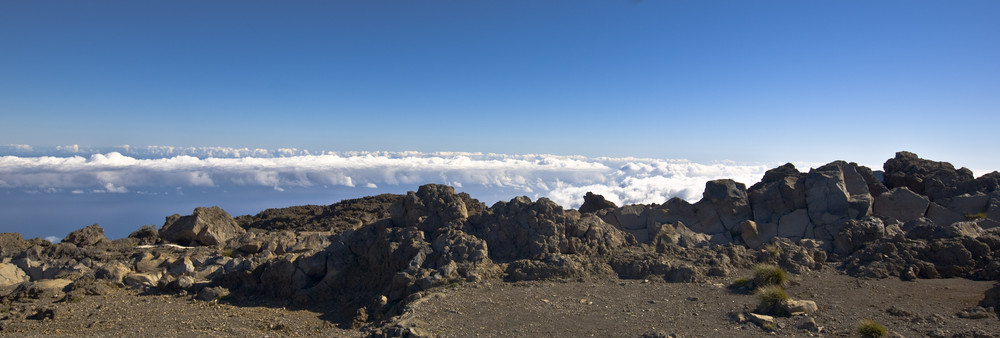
(592, 203)
(375, 255)
(89, 236)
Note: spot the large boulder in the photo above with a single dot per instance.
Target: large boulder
(593, 203)
(673, 211)
(942, 215)
(858, 233)
(676, 234)
(206, 226)
(750, 234)
(874, 183)
(10, 274)
(931, 178)
(795, 225)
(723, 206)
(431, 207)
(88, 236)
(11, 244)
(967, 204)
(780, 192)
(146, 235)
(835, 193)
(901, 204)
(629, 217)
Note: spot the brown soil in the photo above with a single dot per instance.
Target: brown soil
(630, 308)
(127, 313)
(607, 307)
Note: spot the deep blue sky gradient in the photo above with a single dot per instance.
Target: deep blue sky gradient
(703, 80)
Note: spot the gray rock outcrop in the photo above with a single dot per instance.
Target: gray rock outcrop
(780, 192)
(522, 229)
(901, 204)
(930, 178)
(724, 205)
(855, 234)
(88, 236)
(835, 193)
(206, 226)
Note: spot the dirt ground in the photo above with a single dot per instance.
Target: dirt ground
(631, 308)
(607, 307)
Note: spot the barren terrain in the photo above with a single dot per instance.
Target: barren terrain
(601, 307)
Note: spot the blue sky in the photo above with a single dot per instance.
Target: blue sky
(702, 80)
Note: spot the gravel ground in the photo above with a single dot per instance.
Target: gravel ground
(630, 308)
(607, 307)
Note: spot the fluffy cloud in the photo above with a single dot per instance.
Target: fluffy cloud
(564, 179)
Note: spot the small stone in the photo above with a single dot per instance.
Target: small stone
(801, 306)
(810, 325)
(212, 293)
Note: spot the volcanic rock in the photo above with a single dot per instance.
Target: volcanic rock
(857, 233)
(835, 193)
(430, 208)
(114, 272)
(206, 226)
(10, 274)
(750, 236)
(12, 244)
(141, 280)
(54, 288)
(593, 202)
(901, 204)
(146, 235)
(88, 236)
(344, 215)
(522, 229)
(942, 215)
(780, 192)
(673, 211)
(212, 293)
(677, 234)
(967, 204)
(795, 225)
(724, 205)
(931, 178)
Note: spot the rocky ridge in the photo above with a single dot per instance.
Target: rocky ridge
(368, 259)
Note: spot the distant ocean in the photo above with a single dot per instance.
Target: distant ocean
(48, 192)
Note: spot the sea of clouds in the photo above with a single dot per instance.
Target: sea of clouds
(162, 169)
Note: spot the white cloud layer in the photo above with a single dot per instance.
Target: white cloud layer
(564, 179)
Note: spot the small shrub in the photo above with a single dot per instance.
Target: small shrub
(772, 250)
(871, 328)
(227, 253)
(741, 283)
(771, 297)
(976, 216)
(767, 274)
